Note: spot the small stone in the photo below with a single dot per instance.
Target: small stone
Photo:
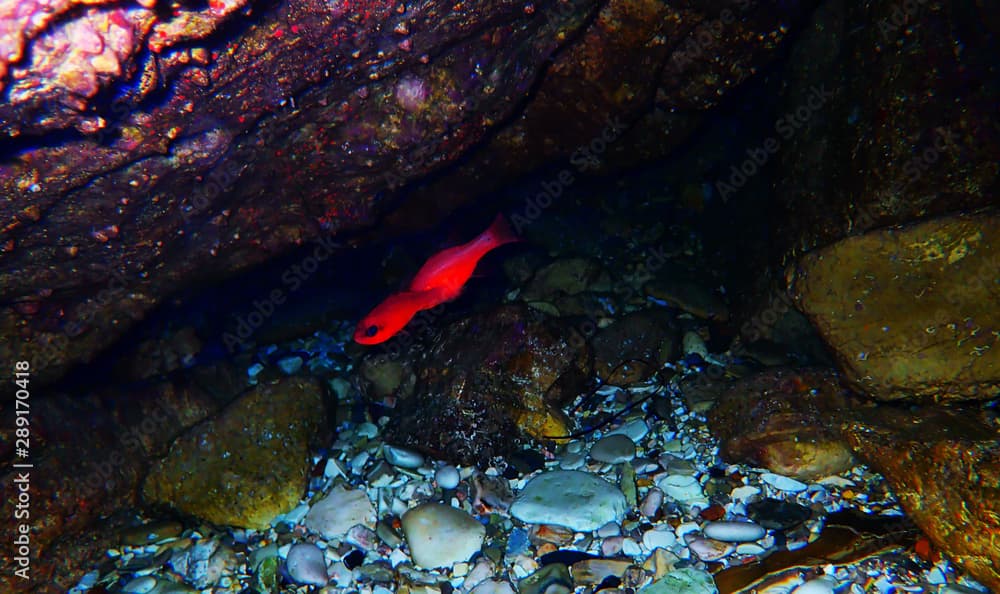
(572, 461)
(140, 585)
(651, 503)
(776, 514)
(733, 531)
(336, 513)
(613, 449)
(402, 457)
(591, 572)
(783, 483)
(631, 548)
(658, 539)
(440, 535)
(708, 549)
(693, 344)
(307, 565)
(550, 579)
(290, 365)
(447, 477)
(362, 537)
(611, 546)
(577, 500)
(684, 489)
(493, 587)
(686, 581)
(816, 586)
(634, 430)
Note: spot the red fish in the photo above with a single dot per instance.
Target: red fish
(440, 279)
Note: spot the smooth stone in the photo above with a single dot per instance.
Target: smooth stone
(493, 587)
(651, 503)
(447, 477)
(572, 461)
(611, 546)
(707, 549)
(658, 539)
(631, 548)
(402, 457)
(683, 488)
(783, 483)
(591, 572)
(634, 430)
(339, 511)
(440, 535)
(816, 586)
(577, 500)
(307, 565)
(613, 449)
(734, 531)
(609, 529)
(683, 581)
(550, 579)
(744, 493)
(693, 344)
(140, 585)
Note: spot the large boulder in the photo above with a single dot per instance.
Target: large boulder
(944, 467)
(910, 312)
(246, 465)
(490, 383)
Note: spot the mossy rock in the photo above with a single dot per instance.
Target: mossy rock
(247, 464)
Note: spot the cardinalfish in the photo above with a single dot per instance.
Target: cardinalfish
(440, 279)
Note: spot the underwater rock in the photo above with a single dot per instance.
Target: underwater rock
(633, 347)
(944, 467)
(680, 290)
(488, 383)
(787, 421)
(567, 276)
(908, 310)
(440, 535)
(246, 465)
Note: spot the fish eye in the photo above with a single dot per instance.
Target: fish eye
(371, 330)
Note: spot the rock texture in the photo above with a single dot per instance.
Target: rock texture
(785, 420)
(944, 466)
(489, 382)
(910, 312)
(132, 173)
(248, 464)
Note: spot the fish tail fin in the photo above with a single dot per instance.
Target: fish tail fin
(500, 232)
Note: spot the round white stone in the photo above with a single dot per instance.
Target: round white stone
(402, 457)
(440, 535)
(577, 500)
(336, 513)
(306, 565)
(447, 477)
(658, 539)
(613, 449)
(140, 585)
(734, 531)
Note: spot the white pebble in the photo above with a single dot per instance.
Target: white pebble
(140, 585)
(658, 539)
(733, 531)
(631, 548)
(447, 477)
(816, 586)
(783, 483)
(402, 457)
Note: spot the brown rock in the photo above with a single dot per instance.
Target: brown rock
(944, 467)
(635, 346)
(680, 290)
(248, 464)
(567, 276)
(787, 421)
(908, 311)
(492, 381)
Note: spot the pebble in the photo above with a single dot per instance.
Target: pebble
(140, 585)
(591, 572)
(307, 565)
(572, 461)
(550, 579)
(339, 511)
(613, 449)
(733, 531)
(683, 581)
(577, 500)
(777, 514)
(402, 457)
(783, 483)
(816, 586)
(658, 539)
(651, 503)
(440, 535)
(493, 587)
(708, 549)
(447, 477)
(684, 489)
(634, 430)
(693, 344)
